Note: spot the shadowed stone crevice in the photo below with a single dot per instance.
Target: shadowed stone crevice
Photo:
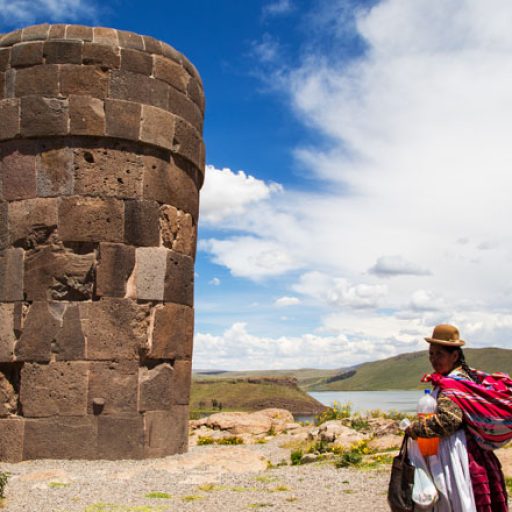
(101, 162)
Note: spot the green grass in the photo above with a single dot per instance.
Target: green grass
(57, 485)
(192, 497)
(158, 495)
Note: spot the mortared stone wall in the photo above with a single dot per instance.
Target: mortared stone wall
(101, 162)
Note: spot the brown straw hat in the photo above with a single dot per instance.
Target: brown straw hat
(445, 334)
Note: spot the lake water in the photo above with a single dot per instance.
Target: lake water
(402, 401)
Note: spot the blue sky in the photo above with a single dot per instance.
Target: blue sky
(357, 189)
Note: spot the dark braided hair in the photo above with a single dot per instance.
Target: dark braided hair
(461, 361)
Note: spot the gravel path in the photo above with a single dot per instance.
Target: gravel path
(210, 478)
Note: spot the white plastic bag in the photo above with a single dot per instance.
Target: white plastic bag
(424, 492)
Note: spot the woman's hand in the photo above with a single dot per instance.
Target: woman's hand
(409, 432)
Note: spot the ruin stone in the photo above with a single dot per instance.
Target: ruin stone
(101, 163)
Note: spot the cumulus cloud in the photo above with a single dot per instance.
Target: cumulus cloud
(227, 193)
(285, 301)
(21, 12)
(266, 50)
(277, 8)
(387, 266)
(215, 281)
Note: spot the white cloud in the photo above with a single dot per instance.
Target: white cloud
(227, 193)
(285, 301)
(267, 50)
(387, 266)
(21, 12)
(277, 8)
(215, 281)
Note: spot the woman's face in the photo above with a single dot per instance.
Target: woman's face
(441, 359)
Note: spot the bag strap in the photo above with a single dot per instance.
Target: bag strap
(403, 449)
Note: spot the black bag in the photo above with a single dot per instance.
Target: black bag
(401, 482)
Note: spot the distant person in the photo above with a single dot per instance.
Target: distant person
(468, 420)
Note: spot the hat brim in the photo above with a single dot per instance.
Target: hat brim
(458, 343)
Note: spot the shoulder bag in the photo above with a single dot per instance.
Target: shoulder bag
(401, 482)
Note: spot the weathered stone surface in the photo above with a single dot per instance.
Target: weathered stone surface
(40, 328)
(182, 379)
(57, 31)
(179, 279)
(83, 80)
(173, 330)
(116, 263)
(10, 115)
(79, 32)
(27, 54)
(171, 72)
(11, 439)
(62, 52)
(69, 344)
(385, 443)
(130, 40)
(5, 58)
(60, 437)
(55, 173)
(55, 389)
(196, 94)
(187, 142)
(165, 432)
(125, 85)
(177, 230)
(157, 179)
(4, 227)
(240, 422)
(136, 61)
(157, 127)
(155, 388)
(185, 193)
(8, 397)
(108, 172)
(7, 335)
(87, 115)
(59, 274)
(120, 437)
(42, 80)
(150, 272)
(18, 176)
(141, 223)
(41, 116)
(116, 384)
(11, 275)
(35, 32)
(183, 107)
(114, 328)
(123, 119)
(32, 221)
(107, 57)
(105, 35)
(91, 220)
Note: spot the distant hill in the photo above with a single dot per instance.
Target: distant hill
(405, 370)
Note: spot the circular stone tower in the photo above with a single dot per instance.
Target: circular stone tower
(101, 162)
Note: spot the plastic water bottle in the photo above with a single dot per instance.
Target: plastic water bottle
(427, 407)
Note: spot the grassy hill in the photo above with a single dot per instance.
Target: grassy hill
(405, 370)
(251, 394)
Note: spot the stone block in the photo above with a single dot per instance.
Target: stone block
(130, 40)
(7, 335)
(41, 80)
(171, 53)
(108, 172)
(83, 219)
(63, 52)
(155, 385)
(32, 221)
(87, 115)
(79, 33)
(35, 32)
(12, 432)
(55, 176)
(157, 183)
(171, 72)
(55, 273)
(120, 437)
(63, 437)
(166, 432)
(115, 266)
(55, 389)
(187, 142)
(4, 231)
(27, 54)
(183, 107)
(152, 45)
(69, 344)
(5, 58)
(40, 328)
(179, 279)
(3, 94)
(125, 85)
(196, 94)
(83, 81)
(116, 384)
(141, 223)
(182, 380)
(173, 332)
(106, 57)
(11, 275)
(184, 186)
(18, 176)
(178, 231)
(150, 272)
(11, 38)
(114, 328)
(123, 119)
(41, 116)
(8, 397)
(57, 31)
(136, 61)
(106, 36)
(157, 127)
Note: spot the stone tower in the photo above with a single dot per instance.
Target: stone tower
(101, 162)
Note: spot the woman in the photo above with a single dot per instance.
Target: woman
(468, 476)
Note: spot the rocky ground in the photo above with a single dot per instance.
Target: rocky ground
(253, 475)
